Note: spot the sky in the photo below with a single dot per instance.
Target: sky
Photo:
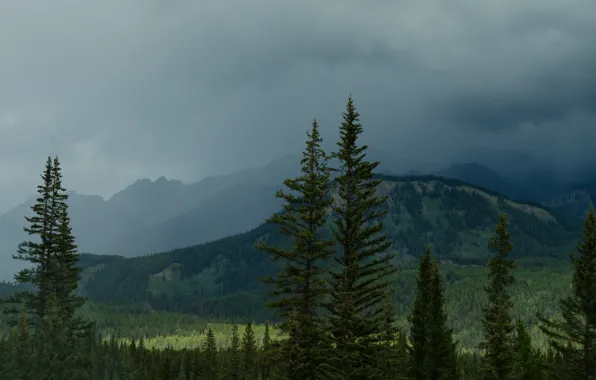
(123, 90)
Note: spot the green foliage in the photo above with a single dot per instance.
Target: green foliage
(574, 335)
(54, 271)
(359, 282)
(249, 354)
(433, 352)
(300, 284)
(527, 360)
(498, 324)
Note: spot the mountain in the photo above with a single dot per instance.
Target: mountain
(480, 175)
(231, 211)
(221, 277)
(163, 214)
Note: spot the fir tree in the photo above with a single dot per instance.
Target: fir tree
(388, 357)
(498, 360)
(210, 366)
(419, 355)
(53, 256)
(234, 365)
(527, 360)
(20, 351)
(43, 226)
(266, 354)
(574, 336)
(442, 348)
(300, 286)
(54, 349)
(249, 354)
(65, 274)
(358, 285)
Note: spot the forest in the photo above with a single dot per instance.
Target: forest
(360, 276)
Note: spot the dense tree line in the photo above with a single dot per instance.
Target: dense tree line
(332, 296)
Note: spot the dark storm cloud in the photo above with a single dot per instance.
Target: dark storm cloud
(122, 90)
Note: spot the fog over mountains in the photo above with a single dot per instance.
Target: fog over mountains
(154, 216)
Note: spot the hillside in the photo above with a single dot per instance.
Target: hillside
(221, 278)
(480, 175)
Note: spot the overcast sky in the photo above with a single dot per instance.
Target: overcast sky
(142, 88)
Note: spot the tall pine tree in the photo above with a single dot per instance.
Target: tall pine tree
(52, 255)
(527, 360)
(419, 355)
(359, 284)
(65, 274)
(42, 227)
(442, 347)
(498, 360)
(433, 354)
(249, 354)
(574, 336)
(300, 285)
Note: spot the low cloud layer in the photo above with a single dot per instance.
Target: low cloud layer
(123, 90)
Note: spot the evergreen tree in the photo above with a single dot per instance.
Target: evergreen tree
(419, 356)
(65, 272)
(234, 365)
(358, 285)
(43, 226)
(19, 352)
(249, 354)
(527, 360)
(266, 354)
(210, 366)
(433, 352)
(54, 349)
(300, 285)
(442, 348)
(498, 360)
(574, 336)
(388, 358)
(53, 256)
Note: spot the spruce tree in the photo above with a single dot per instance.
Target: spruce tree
(419, 355)
(359, 282)
(65, 273)
(234, 364)
(249, 354)
(441, 346)
(20, 352)
(433, 352)
(300, 288)
(498, 359)
(527, 360)
(54, 350)
(52, 254)
(388, 358)
(42, 226)
(210, 365)
(574, 335)
(266, 354)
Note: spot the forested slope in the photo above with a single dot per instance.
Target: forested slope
(221, 278)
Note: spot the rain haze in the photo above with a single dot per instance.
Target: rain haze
(188, 89)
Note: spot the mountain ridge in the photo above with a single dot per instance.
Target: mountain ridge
(454, 217)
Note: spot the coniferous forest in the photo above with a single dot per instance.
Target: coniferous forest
(331, 301)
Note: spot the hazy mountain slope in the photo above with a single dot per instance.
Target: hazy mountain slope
(232, 211)
(92, 222)
(480, 175)
(456, 218)
(113, 226)
(574, 202)
(154, 201)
